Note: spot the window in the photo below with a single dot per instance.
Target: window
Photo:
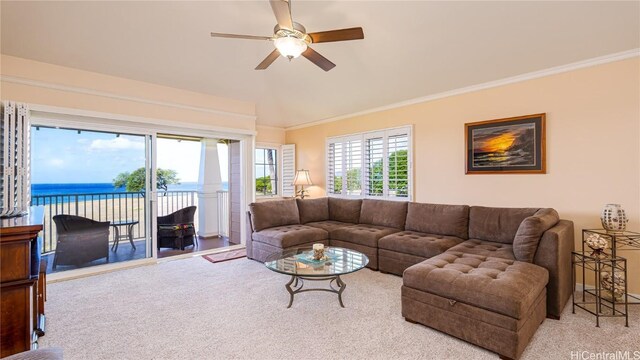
(266, 162)
(373, 165)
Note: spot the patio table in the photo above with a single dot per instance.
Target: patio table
(128, 235)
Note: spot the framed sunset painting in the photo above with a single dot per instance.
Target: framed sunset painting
(506, 146)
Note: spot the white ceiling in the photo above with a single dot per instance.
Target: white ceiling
(411, 49)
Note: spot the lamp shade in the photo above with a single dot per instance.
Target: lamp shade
(302, 178)
(290, 46)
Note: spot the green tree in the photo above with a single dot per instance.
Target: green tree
(337, 184)
(135, 181)
(398, 175)
(263, 185)
(353, 181)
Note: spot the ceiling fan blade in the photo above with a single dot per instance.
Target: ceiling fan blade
(318, 59)
(268, 60)
(282, 11)
(337, 35)
(236, 36)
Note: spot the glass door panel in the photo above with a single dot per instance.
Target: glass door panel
(93, 186)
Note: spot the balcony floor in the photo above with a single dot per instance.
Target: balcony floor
(126, 252)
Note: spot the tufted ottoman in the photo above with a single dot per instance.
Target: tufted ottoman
(494, 303)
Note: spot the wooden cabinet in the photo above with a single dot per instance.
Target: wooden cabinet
(22, 286)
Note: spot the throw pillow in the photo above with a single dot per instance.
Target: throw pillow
(530, 231)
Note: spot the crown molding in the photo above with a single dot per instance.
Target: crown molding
(483, 86)
(86, 91)
(280, 128)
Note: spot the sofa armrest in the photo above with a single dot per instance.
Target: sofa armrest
(554, 254)
(249, 240)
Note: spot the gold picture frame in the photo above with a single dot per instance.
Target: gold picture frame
(513, 145)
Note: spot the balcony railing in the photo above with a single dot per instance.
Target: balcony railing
(120, 206)
(113, 206)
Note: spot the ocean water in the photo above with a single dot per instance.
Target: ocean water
(43, 194)
(94, 188)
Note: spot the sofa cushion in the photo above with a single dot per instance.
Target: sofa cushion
(344, 210)
(313, 209)
(530, 231)
(289, 235)
(496, 224)
(485, 248)
(438, 219)
(503, 286)
(329, 225)
(362, 234)
(387, 213)
(268, 214)
(417, 243)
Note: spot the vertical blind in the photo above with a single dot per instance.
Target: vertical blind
(375, 164)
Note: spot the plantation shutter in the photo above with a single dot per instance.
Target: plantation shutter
(374, 166)
(288, 170)
(398, 165)
(15, 180)
(334, 168)
(352, 182)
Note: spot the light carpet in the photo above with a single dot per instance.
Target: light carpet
(193, 309)
(226, 256)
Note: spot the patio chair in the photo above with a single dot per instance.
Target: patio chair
(177, 229)
(80, 240)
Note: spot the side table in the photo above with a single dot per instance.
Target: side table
(129, 234)
(618, 240)
(597, 300)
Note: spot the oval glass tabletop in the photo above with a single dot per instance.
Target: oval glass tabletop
(300, 262)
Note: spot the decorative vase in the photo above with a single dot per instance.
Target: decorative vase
(614, 218)
(318, 252)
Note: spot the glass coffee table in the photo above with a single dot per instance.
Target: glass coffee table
(299, 264)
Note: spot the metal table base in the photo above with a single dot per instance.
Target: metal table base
(296, 284)
(118, 236)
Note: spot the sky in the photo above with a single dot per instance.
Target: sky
(66, 156)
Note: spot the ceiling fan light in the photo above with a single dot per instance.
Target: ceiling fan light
(290, 47)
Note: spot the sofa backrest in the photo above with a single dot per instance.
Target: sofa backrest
(387, 213)
(268, 214)
(496, 224)
(345, 210)
(312, 210)
(451, 220)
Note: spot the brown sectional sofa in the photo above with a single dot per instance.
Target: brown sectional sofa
(486, 275)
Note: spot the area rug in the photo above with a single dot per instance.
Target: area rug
(193, 309)
(226, 256)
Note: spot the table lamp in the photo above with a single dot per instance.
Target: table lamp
(302, 179)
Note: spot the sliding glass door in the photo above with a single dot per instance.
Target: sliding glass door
(96, 188)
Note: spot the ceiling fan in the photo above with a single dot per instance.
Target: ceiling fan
(292, 40)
